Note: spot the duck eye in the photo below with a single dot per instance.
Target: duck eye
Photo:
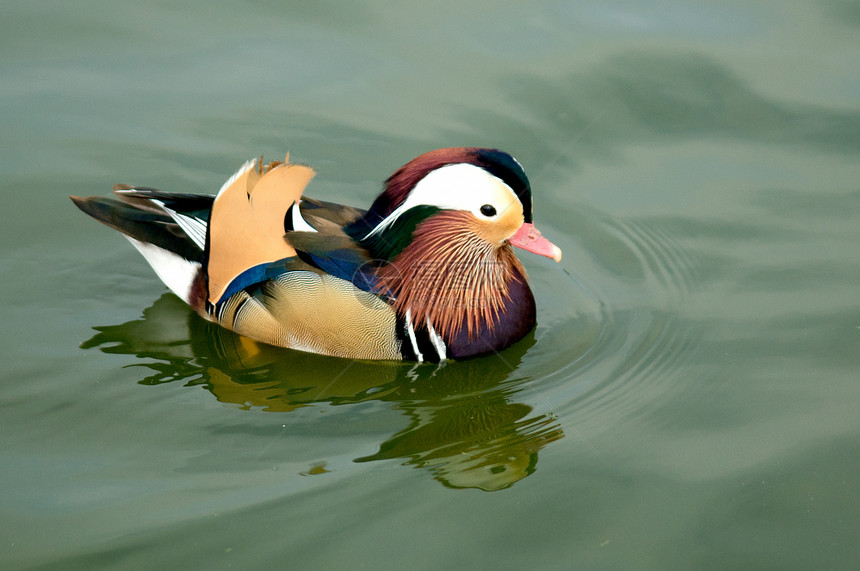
(488, 210)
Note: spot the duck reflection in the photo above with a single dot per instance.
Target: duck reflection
(466, 428)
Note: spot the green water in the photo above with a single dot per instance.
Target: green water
(688, 400)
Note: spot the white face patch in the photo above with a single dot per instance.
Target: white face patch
(461, 186)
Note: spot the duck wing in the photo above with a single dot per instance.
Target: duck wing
(246, 225)
(339, 214)
(336, 254)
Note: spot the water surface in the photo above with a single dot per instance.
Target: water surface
(688, 400)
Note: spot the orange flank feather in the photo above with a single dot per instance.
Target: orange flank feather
(247, 221)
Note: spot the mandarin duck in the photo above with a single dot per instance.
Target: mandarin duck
(427, 273)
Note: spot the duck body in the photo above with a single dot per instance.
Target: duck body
(427, 273)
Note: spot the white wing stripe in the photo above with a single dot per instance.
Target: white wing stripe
(418, 356)
(299, 223)
(191, 225)
(437, 341)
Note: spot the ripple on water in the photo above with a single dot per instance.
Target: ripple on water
(615, 339)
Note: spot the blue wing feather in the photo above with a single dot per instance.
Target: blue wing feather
(346, 265)
(337, 255)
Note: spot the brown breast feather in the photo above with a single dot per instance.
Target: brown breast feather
(246, 227)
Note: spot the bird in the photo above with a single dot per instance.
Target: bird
(426, 273)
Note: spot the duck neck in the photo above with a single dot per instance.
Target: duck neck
(383, 240)
(451, 277)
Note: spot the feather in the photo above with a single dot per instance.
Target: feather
(177, 273)
(293, 220)
(449, 277)
(331, 211)
(337, 255)
(189, 211)
(144, 222)
(246, 226)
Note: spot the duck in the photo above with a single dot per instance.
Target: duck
(427, 273)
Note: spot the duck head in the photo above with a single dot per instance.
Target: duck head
(489, 184)
(442, 232)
